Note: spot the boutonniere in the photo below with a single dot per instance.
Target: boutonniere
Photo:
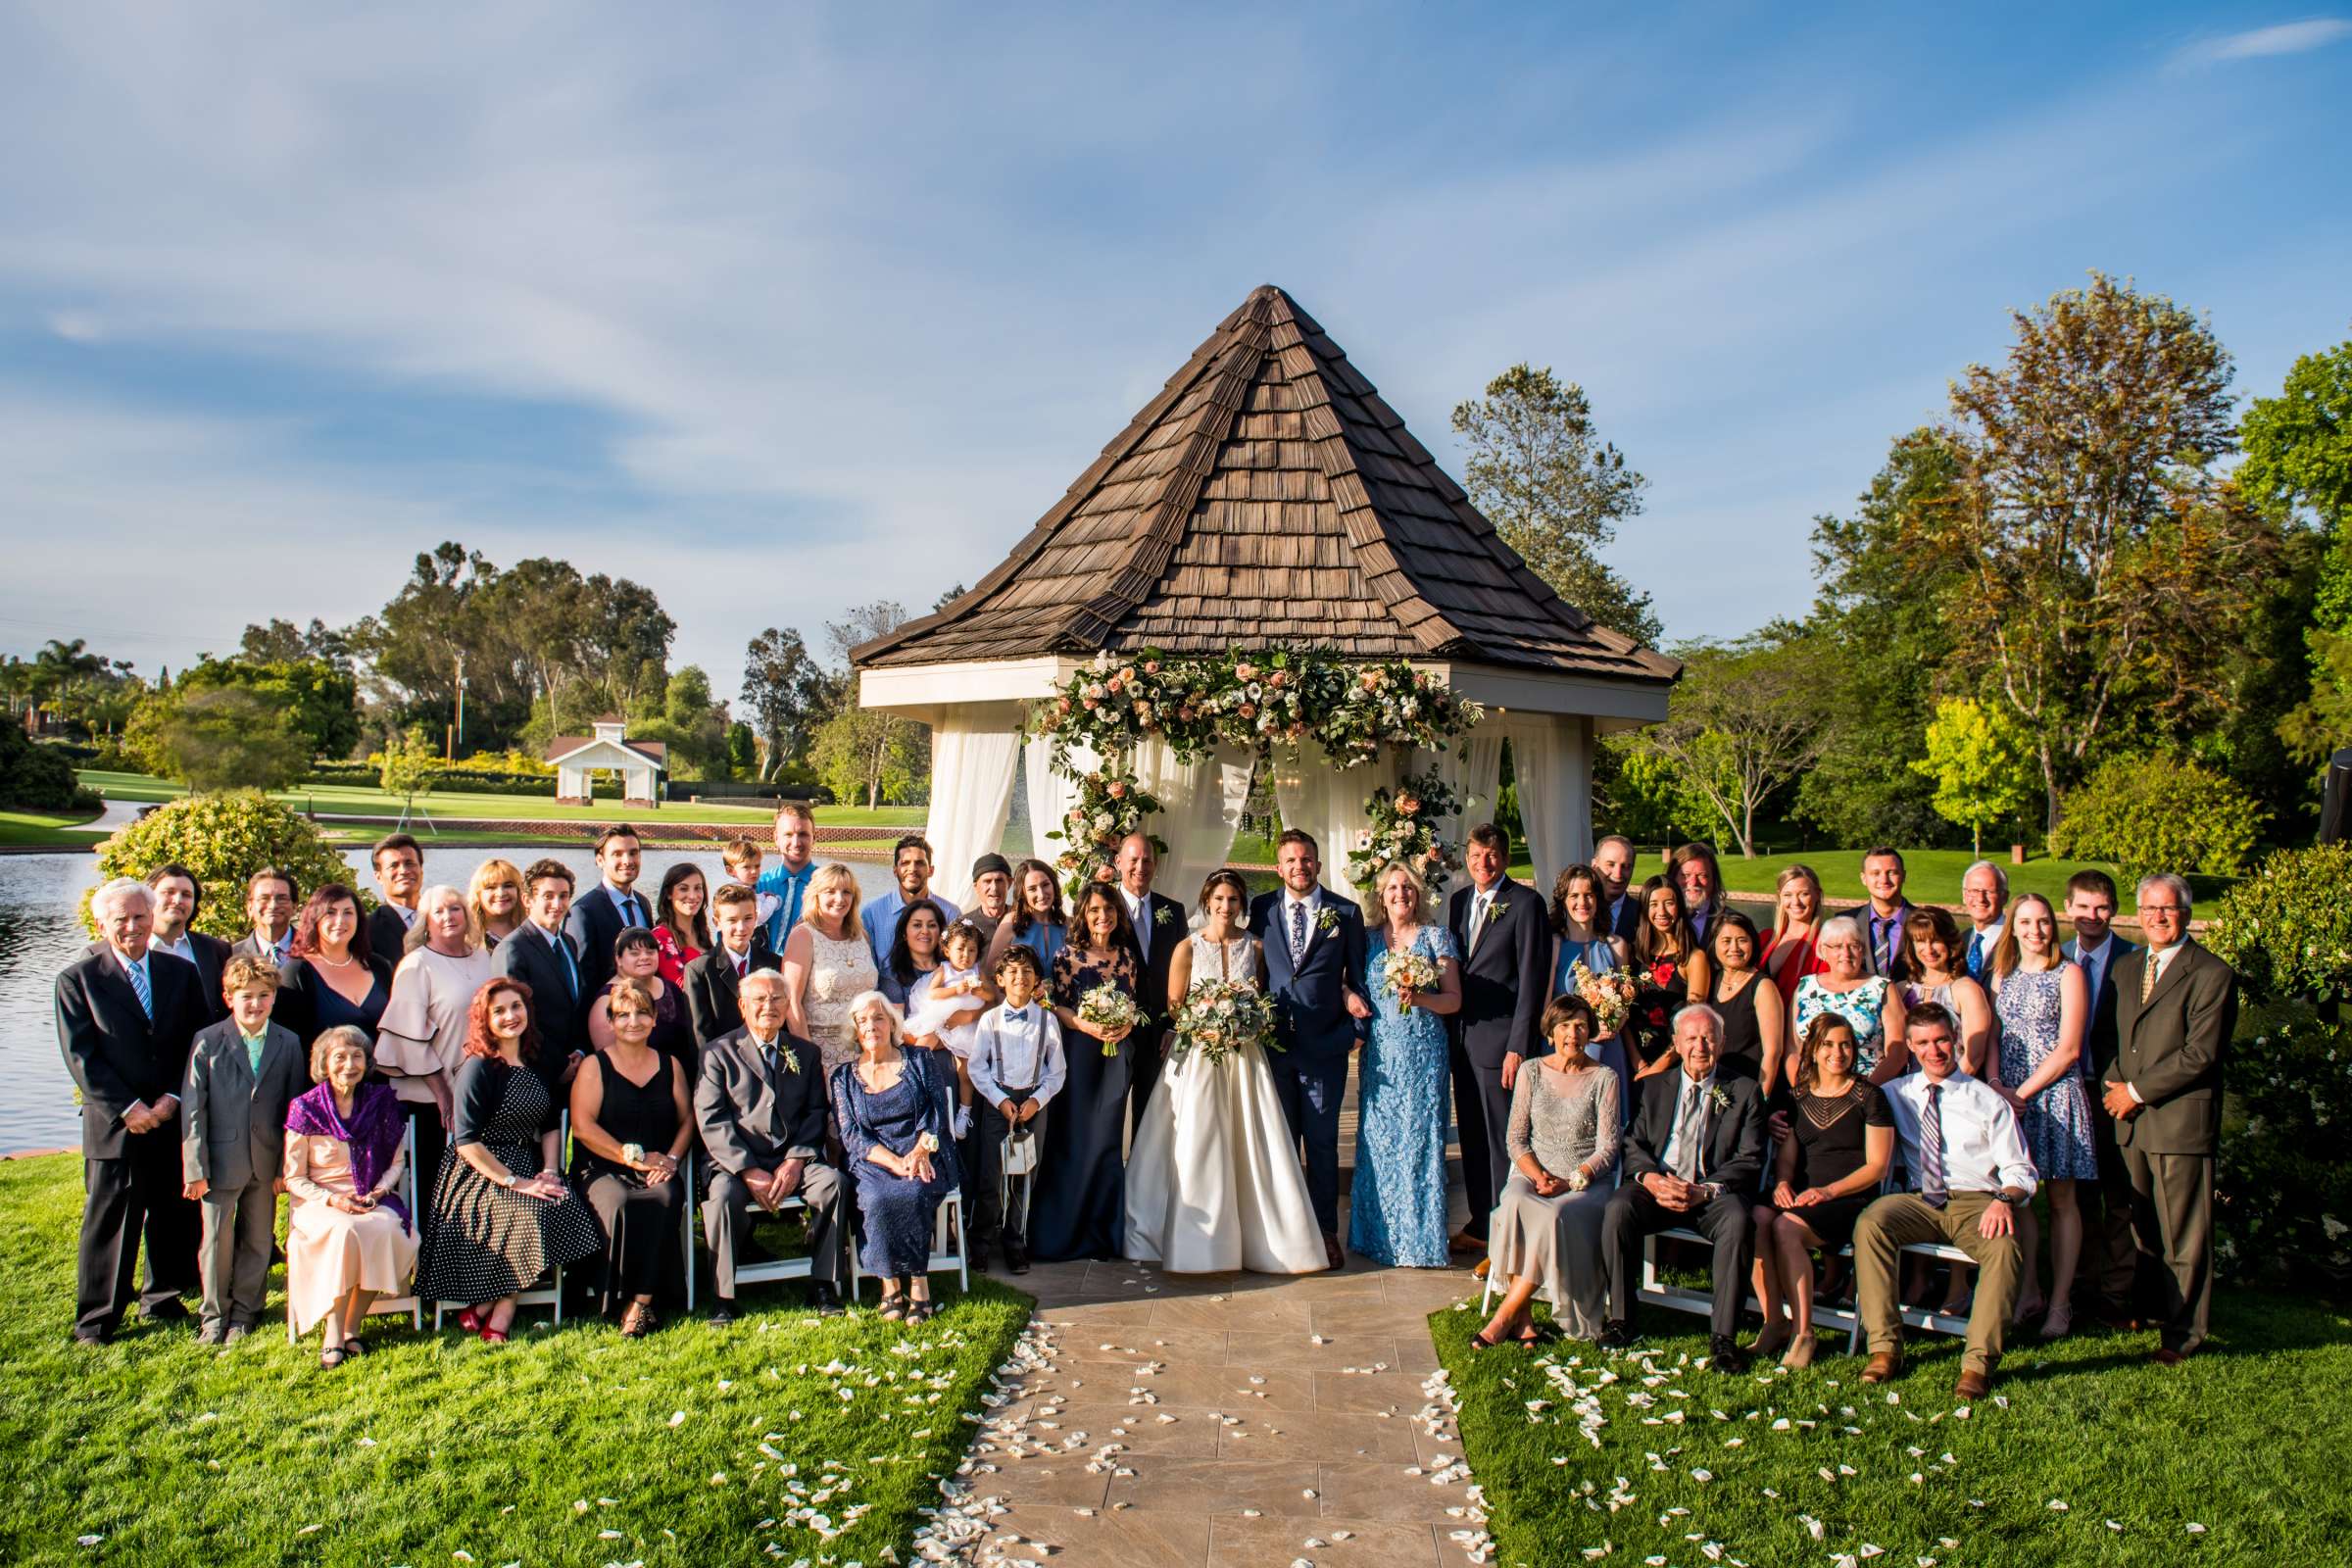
(1719, 1098)
(1166, 916)
(1496, 904)
(1327, 921)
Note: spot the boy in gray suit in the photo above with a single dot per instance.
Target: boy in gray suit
(242, 1074)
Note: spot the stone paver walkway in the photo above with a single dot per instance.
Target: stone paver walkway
(1228, 1419)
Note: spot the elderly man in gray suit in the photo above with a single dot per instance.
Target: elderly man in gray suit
(2176, 1005)
(761, 1105)
(242, 1074)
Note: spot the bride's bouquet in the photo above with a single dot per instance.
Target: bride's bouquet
(1221, 1016)
(1112, 1010)
(1609, 994)
(1409, 971)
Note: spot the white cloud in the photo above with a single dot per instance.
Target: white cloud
(2259, 43)
(77, 327)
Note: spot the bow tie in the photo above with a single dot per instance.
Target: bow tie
(1017, 1014)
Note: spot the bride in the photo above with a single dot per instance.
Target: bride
(1213, 1182)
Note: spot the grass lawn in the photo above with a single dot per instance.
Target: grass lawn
(357, 800)
(46, 829)
(2245, 1439)
(569, 1446)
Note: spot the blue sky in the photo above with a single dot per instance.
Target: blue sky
(779, 308)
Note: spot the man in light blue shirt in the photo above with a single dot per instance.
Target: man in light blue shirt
(787, 882)
(911, 862)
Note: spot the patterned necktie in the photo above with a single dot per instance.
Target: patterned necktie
(1686, 1158)
(2147, 977)
(1975, 955)
(138, 982)
(571, 970)
(1299, 933)
(1932, 1184)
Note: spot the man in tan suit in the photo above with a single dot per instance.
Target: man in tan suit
(2176, 1005)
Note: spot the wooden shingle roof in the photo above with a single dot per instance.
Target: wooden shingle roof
(1267, 494)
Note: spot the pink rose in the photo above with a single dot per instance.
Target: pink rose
(1244, 672)
(1277, 678)
(1370, 678)
(1247, 709)
(1118, 790)
(1410, 805)
(1151, 666)
(1065, 705)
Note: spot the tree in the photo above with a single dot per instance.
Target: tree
(1978, 763)
(321, 701)
(280, 643)
(2107, 568)
(862, 753)
(692, 725)
(1554, 491)
(409, 763)
(868, 746)
(2298, 465)
(223, 838)
(2158, 812)
(788, 694)
(1884, 644)
(1742, 724)
(229, 738)
(37, 777)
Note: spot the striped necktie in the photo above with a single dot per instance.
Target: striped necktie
(1931, 1183)
(138, 982)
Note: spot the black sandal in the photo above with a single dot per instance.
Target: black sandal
(892, 1309)
(923, 1311)
(354, 1345)
(333, 1357)
(1480, 1341)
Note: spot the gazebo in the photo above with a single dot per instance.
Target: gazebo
(1266, 497)
(640, 764)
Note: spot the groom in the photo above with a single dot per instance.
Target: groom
(1314, 946)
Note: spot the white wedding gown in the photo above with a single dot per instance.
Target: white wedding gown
(1213, 1180)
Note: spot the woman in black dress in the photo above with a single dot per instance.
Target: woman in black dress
(637, 956)
(501, 1215)
(1670, 967)
(889, 1107)
(1079, 1208)
(1752, 1021)
(631, 1127)
(1829, 1171)
(333, 981)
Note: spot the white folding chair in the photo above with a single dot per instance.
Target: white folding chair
(409, 1304)
(550, 1293)
(782, 1268)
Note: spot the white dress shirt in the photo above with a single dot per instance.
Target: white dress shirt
(182, 949)
(1983, 1151)
(623, 898)
(1016, 1046)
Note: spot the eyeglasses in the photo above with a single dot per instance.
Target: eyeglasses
(2162, 909)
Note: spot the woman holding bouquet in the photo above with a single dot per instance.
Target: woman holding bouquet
(1081, 1207)
(1215, 1183)
(1578, 898)
(1396, 1208)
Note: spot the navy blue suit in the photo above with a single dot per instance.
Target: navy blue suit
(1316, 1031)
(593, 924)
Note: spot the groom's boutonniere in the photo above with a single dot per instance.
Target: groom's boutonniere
(1719, 1098)
(1327, 921)
(1166, 916)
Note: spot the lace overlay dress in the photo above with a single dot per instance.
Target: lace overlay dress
(838, 971)
(2056, 1123)
(1396, 1204)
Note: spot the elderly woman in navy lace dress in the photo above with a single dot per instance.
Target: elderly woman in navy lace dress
(892, 1110)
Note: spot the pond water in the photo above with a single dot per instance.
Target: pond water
(40, 933)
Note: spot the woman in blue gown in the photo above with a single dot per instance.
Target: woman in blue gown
(891, 1108)
(1396, 1206)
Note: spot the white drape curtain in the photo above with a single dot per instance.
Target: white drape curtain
(1475, 779)
(1201, 804)
(974, 752)
(1050, 794)
(1323, 799)
(1551, 762)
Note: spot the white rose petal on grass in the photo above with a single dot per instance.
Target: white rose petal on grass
(2056, 1506)
(677, 1419)
(92, 1540)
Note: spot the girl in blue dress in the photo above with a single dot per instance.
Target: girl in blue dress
(1396, 1207)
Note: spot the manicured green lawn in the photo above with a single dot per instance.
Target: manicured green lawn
(558, 1447)
(2245, 1439)
(355, 800)
(46, 829)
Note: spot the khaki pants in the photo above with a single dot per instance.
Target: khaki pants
(1906, 1219)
